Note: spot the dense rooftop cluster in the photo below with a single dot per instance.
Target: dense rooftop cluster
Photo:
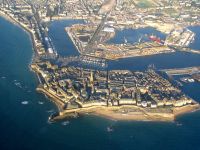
(126, 12)
(78, 87)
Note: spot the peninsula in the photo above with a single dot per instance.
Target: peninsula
(115, 94)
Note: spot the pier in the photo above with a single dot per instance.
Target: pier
(182, 71)
(191, 50)
(186, 49)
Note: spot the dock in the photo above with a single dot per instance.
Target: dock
(190, 50)
(182, 71)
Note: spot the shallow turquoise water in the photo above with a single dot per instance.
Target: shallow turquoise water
(25, 127)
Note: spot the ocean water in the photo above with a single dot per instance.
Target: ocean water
(25, 127)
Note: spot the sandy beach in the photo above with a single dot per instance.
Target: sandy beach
(186, 109)
(135, 113)
(136, 116)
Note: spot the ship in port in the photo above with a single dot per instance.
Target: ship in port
(156, 39)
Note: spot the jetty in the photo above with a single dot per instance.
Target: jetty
(182, 71)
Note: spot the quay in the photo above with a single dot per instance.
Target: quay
(185, 49)
(182, 71)
(189, 50)
(84, 43)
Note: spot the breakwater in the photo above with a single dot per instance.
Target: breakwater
(182, 71)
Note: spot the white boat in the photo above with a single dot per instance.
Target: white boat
(65, 123)
(24, 102)
(109, 129)
(190, 80)
(40, 102)
(179, 124)
(18, 84)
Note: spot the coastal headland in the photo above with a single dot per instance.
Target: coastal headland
(112, 94)
(125, 112)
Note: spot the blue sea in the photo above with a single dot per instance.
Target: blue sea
(24, 112)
